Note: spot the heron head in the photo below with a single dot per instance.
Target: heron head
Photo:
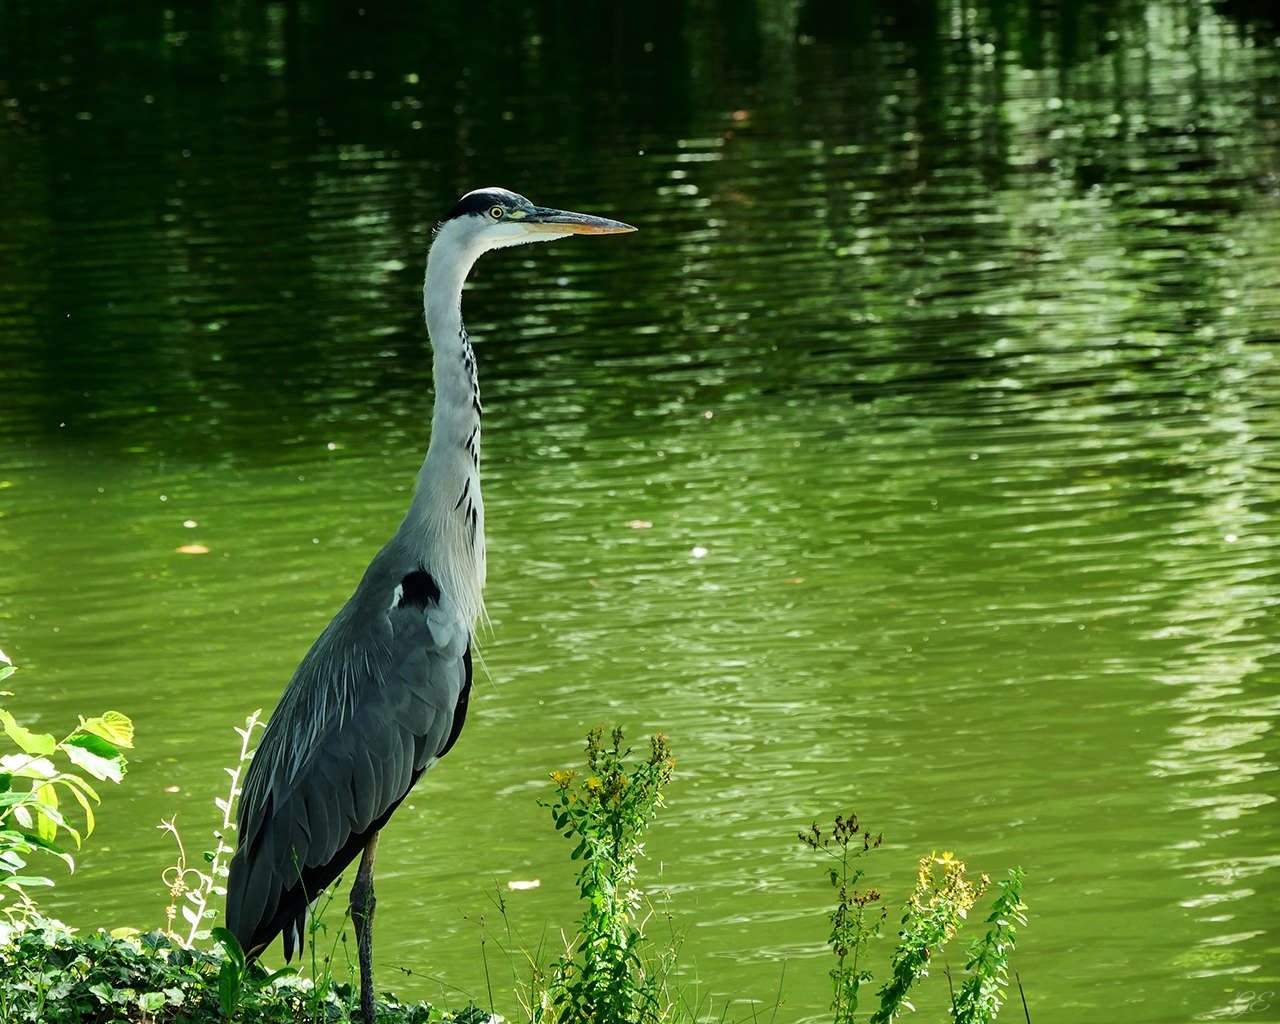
(492, 218)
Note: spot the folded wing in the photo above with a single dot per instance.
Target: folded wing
(381, 695)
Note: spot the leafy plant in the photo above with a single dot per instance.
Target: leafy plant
(933, 915)
(197, 887)
(603, 977)
(238, 977)
(30, 818)
(322, 981)
(979, 998)
(852, 927)
(49, 975)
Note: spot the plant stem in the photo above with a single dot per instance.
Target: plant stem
(778, 1000)
(1025, 1011)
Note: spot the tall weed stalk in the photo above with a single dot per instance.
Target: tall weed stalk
(934, 913)
(192, 884)
(604, 976)
(853, 925)
(979, 999)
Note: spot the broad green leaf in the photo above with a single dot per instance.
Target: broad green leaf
(112, 727)
(17, 880)
(76, 782)
(258, 984)
(6, 781)
(6, 672)
(30, 742)
(43, 844)
(9, 859)
(109, 769)
(88, 810)
(228, 988)
(24, 766)
(231, 945)
(54, 816)
(45, 825)
(92, 743)
(36, 841)
(151, 1001)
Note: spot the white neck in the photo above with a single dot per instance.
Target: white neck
(446, 517)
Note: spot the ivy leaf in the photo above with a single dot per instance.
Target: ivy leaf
(113, 727)
(30, 742)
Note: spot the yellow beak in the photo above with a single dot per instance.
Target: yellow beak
(563, 222)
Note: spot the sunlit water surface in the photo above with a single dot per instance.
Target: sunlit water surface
(919, 457)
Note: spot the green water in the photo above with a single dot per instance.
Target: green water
(950, 335)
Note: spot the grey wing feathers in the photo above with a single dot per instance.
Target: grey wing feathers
(368, 711)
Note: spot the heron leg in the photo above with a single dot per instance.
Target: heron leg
(362, 904)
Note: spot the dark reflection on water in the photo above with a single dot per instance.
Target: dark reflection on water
(949, 334)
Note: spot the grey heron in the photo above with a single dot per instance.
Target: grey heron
(382, 694)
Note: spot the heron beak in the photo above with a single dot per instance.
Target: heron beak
(562, 222)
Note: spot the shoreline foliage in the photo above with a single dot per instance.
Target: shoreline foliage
(209, 883)
(31, 818)
(610, 972)
(988, 961)
(604, 975)
(852, 927)
(934, 913)
(50, 975)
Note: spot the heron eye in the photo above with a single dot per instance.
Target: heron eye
(496, 213)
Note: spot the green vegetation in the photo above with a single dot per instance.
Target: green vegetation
(31, 818)
(606, 974)
(52, 976)
(934, 913)
(851, 926)
(611, 972)
(190, 883)
(988, 964)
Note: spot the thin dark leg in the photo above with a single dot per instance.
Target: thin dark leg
(362, 904)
